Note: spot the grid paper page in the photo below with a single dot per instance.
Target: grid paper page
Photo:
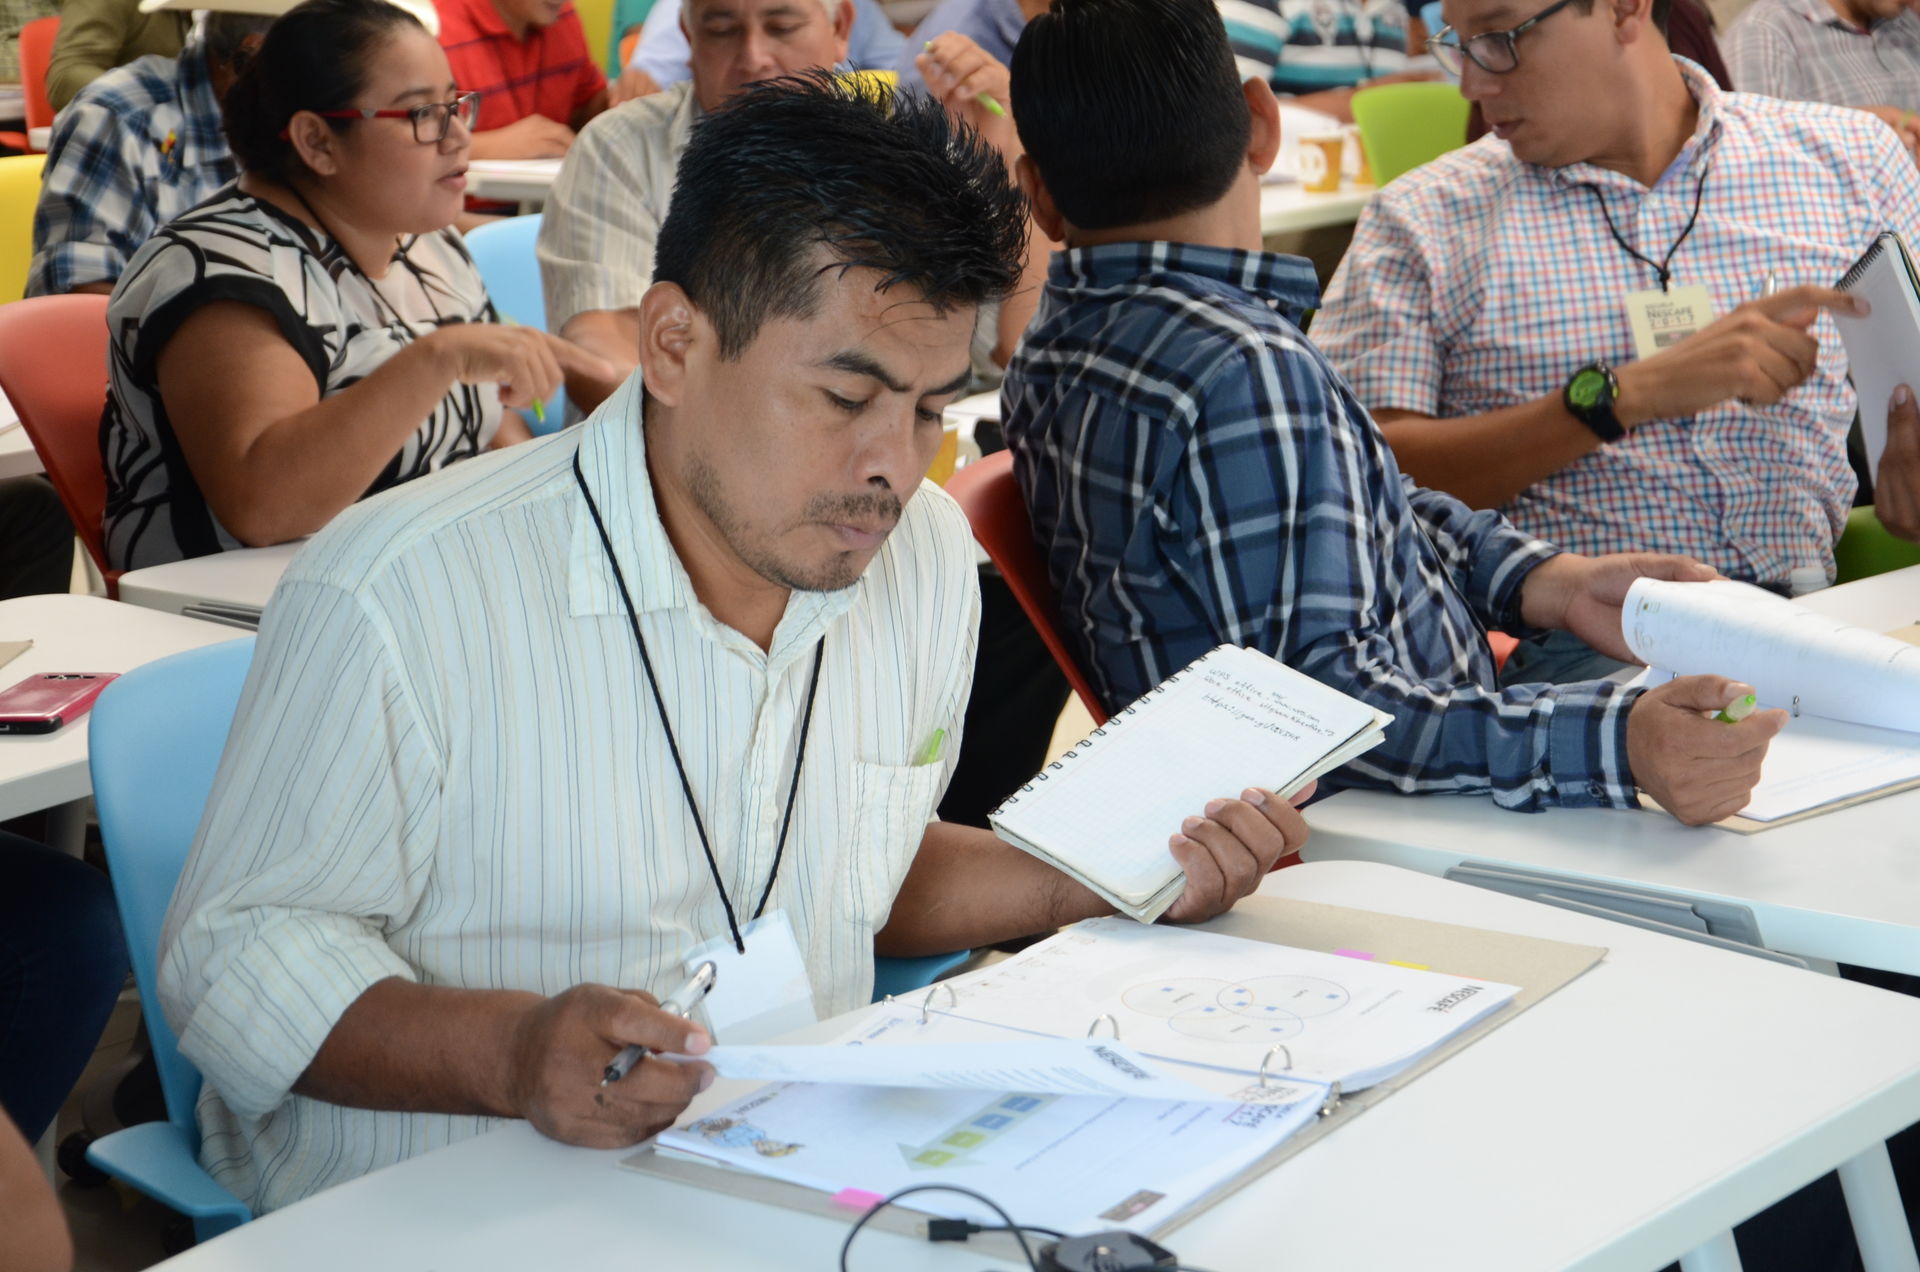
(1235, 718)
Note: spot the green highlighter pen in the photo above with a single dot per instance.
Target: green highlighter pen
(1737, 710)
(931, 751)
(539, 407)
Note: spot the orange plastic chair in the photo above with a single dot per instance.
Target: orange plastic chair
(53, 368)
(990, 497)
(36, 52)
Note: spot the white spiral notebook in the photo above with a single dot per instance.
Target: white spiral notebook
(1103, 812)
(1884, 347)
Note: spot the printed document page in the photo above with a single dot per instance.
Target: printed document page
(1224, 1002)
(1787, 652)
(1077, 1163)
(1014, 1062)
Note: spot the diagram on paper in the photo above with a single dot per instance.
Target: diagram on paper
(1263, 1010)
(1201, 998)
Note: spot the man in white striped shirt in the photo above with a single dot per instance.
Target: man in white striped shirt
(453, 839)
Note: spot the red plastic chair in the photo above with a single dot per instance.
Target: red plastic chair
(990, 497)
(36, 53)
(53, 368)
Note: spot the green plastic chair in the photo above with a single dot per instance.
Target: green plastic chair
(1405, 125)
(1868, 548)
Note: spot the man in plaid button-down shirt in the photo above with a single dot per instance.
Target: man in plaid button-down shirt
(1197, 473)
(136, 148)
(1478, 286)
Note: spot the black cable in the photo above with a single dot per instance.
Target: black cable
(1016, 1229)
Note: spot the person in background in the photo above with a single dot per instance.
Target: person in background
(604, 213)
(315, 332)
(660, 56)
(1198, 474)
(1859, 53)
(98, 35)
(1604, 319)
(993, 25)
(528, 61)
(136, 148)
(1315, 53)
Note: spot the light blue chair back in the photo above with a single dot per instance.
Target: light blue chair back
(155, 740)
(503, 252)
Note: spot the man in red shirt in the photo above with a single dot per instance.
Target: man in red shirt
(529, 62)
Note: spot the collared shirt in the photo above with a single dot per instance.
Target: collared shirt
(1304, 46)
(995, 25)
(1479, 282)
(1198, 474)
(1803, 51)
(662, 50)
(548, 72)
(137, 147)
(470, 785)
(604, 212)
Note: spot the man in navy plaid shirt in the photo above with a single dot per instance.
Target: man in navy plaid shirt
(136, 148)
(1197, 472)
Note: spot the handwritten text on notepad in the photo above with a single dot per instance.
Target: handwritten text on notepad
(1245, 702)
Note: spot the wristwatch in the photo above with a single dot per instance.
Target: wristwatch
(1589, 396)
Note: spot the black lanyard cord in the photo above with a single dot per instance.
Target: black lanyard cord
(1660, 270)
(673, 746)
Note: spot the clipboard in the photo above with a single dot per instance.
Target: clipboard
(1537, 966)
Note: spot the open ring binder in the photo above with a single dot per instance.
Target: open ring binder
(1333, 1088)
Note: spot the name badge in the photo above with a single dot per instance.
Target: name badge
(760, 994)
(1662, 319)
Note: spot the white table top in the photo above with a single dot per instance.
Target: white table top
(1656, 1101)
(1844, 886)
(242, 579)
(77, 633)
(17, 456)
(1286, 207)
(512, 180)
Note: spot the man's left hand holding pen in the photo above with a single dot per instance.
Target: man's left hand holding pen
(562, 1047)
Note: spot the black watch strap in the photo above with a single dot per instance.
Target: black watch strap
(1589, 396)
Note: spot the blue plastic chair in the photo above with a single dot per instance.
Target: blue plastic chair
(503, 252)
(155, 738)
(904, 975)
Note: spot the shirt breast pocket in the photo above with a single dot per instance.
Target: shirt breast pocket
(892, 804)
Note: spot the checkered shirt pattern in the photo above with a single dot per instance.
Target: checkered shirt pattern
(1479, 282)
(548, 72)
(112, 178)
(1803, 51)
(1197, 473)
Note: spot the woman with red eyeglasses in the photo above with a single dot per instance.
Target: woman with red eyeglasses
(315, 332)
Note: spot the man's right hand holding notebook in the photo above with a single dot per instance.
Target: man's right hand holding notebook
(1229, 850)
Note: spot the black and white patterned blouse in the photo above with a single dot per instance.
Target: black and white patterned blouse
(238, 248)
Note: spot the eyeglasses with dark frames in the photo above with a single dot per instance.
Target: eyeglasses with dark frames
(1493, 52)
(431, 122)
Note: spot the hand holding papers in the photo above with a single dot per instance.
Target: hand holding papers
(1855, 694)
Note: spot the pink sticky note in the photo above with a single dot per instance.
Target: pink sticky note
(857, 1199)
(1359, 954)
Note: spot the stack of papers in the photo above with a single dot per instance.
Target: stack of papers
(1854, 694)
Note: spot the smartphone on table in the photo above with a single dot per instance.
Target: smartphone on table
(42, 703)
